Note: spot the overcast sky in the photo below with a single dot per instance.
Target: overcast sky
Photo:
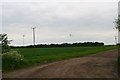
(86, 20)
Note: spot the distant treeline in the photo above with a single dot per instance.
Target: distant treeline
(62, 45)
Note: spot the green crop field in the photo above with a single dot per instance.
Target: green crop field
(46, 55)
(39, 56)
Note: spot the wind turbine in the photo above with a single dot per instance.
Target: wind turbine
(23, 39)
(70, 35)
(33, 28)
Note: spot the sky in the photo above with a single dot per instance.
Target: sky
(55, 20)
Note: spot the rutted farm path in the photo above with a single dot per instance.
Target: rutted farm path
(100, 65)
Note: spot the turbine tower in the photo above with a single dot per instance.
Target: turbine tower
(33, 28)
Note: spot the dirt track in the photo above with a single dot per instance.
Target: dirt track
(100, 65)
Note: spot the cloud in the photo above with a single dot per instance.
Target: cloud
(54, 21)
(59, 0)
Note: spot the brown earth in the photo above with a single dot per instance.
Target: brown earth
(100, 65)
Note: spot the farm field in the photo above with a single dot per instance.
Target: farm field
(100, 65)
(37, 56)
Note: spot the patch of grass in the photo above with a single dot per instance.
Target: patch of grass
(45, 55)
(32, 52)
(38, 56)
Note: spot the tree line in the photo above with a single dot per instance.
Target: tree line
(62, 45)
(4, 43)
